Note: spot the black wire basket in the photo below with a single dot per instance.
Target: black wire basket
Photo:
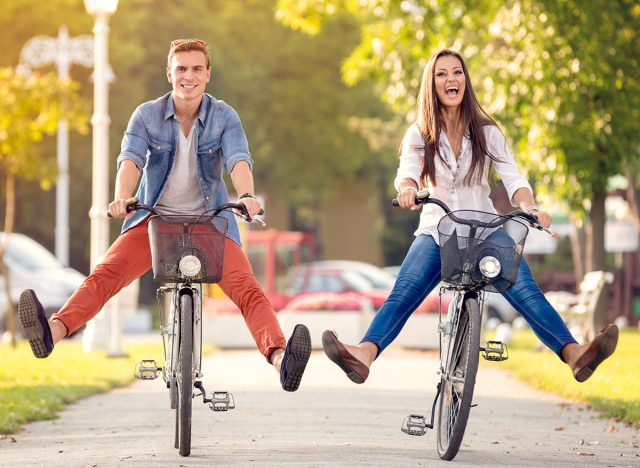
(174, 236)
(467, 236)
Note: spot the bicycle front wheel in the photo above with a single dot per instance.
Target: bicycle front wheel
(184, 376)
(458, 379)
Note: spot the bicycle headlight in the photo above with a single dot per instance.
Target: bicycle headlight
(490, 266)
(189, 265)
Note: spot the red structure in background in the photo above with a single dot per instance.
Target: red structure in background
(272, 253)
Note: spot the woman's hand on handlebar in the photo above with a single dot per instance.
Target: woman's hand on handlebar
(407, 198)
(544, 218)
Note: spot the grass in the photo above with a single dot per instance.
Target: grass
(614, 389)
(35, 389)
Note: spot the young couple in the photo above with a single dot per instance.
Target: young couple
(172, 157)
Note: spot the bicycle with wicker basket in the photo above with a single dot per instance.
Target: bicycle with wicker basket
(186, 251)
(479, 252)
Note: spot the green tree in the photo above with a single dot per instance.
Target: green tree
(285, 85)
(30, 108)
(561, 76)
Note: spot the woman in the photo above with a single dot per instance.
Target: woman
(449, 150)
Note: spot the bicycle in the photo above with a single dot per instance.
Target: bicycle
(186, 251)
(479, 252)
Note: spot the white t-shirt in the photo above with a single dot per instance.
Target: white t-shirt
(450, 175)
(182, 194)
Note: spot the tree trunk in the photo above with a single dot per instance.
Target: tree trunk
(577, 237)
(4, 271)
(597, 252)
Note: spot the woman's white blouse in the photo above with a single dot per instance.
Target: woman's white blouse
(450, 175)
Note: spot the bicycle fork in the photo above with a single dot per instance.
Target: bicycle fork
(416, 425)
(148, 369)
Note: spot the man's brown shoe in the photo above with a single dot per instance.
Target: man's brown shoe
(602, 346)
(355, 369)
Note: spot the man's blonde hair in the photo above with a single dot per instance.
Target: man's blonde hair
(187, 45)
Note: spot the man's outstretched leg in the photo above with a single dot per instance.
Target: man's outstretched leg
(288, 358)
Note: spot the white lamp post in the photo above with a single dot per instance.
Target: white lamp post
(63, 51)
(101, 11)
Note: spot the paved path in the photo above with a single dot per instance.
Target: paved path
(328, 422)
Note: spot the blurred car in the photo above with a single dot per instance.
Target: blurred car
(32, 266)
(337, 277)
(345, 276)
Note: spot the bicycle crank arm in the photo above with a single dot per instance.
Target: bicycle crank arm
(416, 425)
(219, 401)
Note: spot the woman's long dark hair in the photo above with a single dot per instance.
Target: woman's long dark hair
(430, 122)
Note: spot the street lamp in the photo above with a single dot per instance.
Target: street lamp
(101, 11)
(63, 51)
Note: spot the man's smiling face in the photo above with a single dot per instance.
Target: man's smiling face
(188, 74)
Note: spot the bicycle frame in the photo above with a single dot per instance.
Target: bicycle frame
(460, 330)
(168, 326)
(180, 309)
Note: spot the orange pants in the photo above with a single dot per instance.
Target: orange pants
(129, 257)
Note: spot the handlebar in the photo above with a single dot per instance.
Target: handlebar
(423, 197)
(133, 204)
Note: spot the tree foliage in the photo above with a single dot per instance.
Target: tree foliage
(561, 76)
(30, 108)
(285, 85)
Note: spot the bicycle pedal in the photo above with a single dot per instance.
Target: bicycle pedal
(147, 369)
(495, 351)
(222, 401)
(414, 425)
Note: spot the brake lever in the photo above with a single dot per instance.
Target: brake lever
(542, 228)
(249, 219)
(254, 220)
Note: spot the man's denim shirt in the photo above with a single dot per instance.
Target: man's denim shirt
(150, 141)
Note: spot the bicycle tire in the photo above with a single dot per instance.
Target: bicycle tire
(185, 375)
(458, 380)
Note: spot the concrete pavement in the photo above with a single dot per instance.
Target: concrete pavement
(329, 421)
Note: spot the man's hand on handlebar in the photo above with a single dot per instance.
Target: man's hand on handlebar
(252, 204)
(118, 208)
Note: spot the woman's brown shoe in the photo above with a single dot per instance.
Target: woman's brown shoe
(355, 369)
(602, 346)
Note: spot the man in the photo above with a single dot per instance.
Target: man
(174, 151)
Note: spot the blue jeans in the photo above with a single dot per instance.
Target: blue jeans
(420, 274)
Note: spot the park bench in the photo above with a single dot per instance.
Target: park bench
(578, 310)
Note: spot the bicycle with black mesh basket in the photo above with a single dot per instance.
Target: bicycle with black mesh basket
(479, 252)
(186, 251)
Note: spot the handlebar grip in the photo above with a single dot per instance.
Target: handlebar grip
(395, 202)
(131, 205)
